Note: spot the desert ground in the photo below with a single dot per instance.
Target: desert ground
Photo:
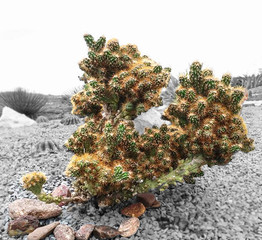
(223, 204)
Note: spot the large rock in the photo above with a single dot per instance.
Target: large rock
(12, 119)
(153, 116)
(22, 225)
(42, 232)
(33, 207)
(64, 232)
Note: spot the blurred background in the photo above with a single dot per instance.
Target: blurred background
(41, 43)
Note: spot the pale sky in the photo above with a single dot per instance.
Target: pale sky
(41, 42)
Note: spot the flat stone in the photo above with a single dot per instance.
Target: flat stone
(42, 232)
(146, 198)
(33, 207)
(134, 210)
(64, 232)
(129, 227)
(22, 225)
(84, 232)
(105, 232)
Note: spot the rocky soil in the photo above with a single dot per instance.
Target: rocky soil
(223, 204)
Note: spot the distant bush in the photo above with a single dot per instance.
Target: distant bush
(250, 94)
(23, 102)
(247, 81)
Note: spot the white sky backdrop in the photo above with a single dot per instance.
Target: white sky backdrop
(41, 42)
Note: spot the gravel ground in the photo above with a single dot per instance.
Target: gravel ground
(223, 204)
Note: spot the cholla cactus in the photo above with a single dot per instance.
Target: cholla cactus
(112, 160)
(70, 120)
(207, 109)
(34, 182)
(118, 79)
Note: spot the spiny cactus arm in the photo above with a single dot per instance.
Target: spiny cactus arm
(97, 178)
(114, 167)
(34, 182)
(185, 168)
(84, 105)
(103, 61)
(118, 79)
(209, 112)
(48, 198)
(195, 76)
(84, 139)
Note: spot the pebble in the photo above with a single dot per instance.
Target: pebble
(148, 199)
(134, 210)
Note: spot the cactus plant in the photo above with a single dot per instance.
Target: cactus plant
(120, 84)
(47, 145)
(34, 182)
(112, 161)
(42, 119)
(208, 111)
(70, 120)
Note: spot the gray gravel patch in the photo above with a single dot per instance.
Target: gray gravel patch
(223, 204)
